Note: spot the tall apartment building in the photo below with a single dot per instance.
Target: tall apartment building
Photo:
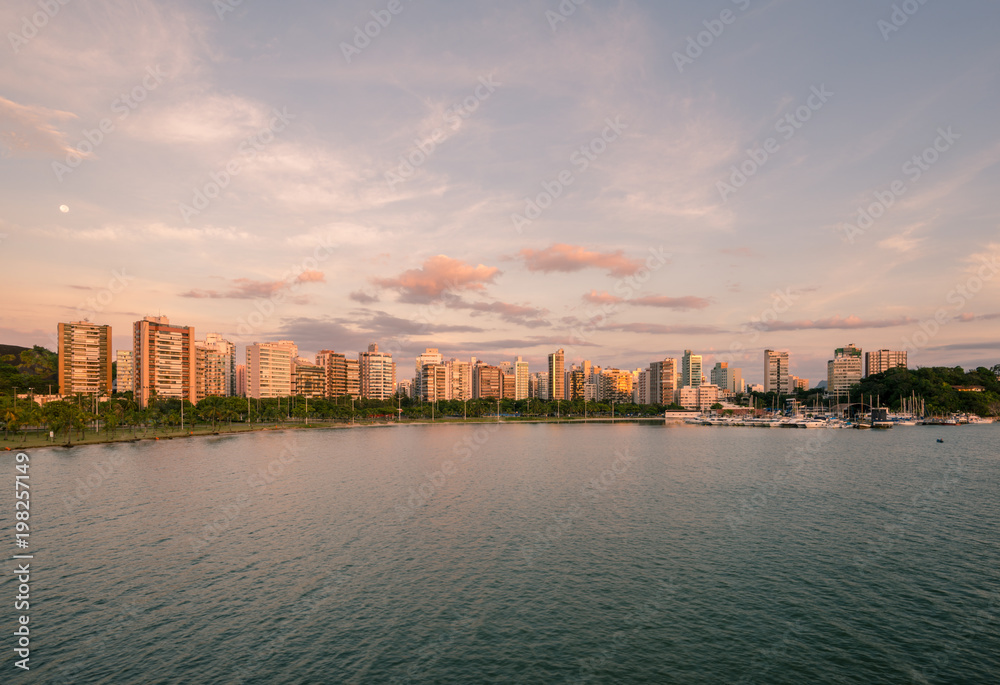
(542, 385)
(308, 379)
(488, 383)
(521, 374)
(435, 383)
(430, 356)
(84, 358)
(215, 367)
(163, 360)
(643, 387)
(727, 378)
(270, 369)
(616, 386)
(883, 360)
(557, 381)
(577, 385)
(124, 372)
(343, 375)
(776, 375)
(241, 380)
(509, 390)
(662, 379)
(691, 374)
(461, 380)
(844, 370)
(377, 374)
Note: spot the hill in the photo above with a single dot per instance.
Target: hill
(944, 390)
(28, 367)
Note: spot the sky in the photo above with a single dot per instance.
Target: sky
(624, 180)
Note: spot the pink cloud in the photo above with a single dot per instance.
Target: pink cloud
(662, 301)
(438, 275)
(248, 289)
(595, 297)
(569, 258)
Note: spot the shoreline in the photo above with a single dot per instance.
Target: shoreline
(91, 440)
(10, 445)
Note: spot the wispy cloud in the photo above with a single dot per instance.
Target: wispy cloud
(32, 131)
(248, 289)
(662, 301)
(569, 258)
(834, 323)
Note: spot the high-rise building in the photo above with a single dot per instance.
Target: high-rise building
(643, 387)
(690, 369)
(308, 379)
(489, 382)
(163, 360)
(509, 391)
(343, 375)
(844, 370)
(616, 386)
(215, 367)
(241, 380)
(461, 380)
(577, 385)
(883, 360)
(727, 378)
(776, 375)
(557, 362)
(435, 384)
(124, 371)
(521, 374)
(270, 369)
(84, 358)
(542, 385)
(662, 378)
(430, 356)
(378, 374)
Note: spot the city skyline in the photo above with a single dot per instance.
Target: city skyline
(212, 365)
(617, 188)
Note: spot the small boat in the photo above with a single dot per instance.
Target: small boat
(940, 440)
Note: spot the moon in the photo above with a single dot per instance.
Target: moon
(63, 208)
